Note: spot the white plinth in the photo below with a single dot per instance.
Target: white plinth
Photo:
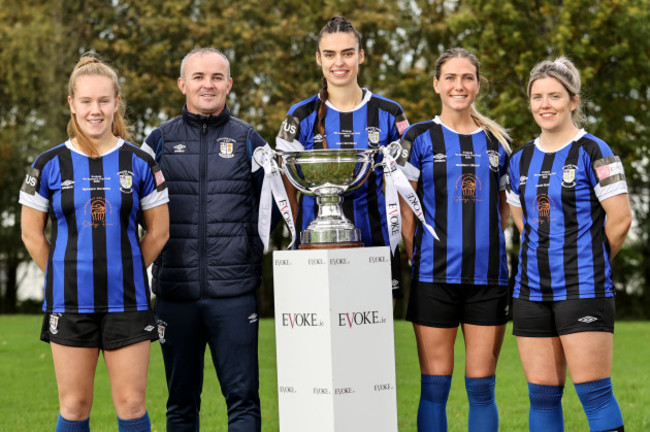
(334, 336)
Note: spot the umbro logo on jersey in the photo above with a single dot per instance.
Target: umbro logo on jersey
(439, 157)
(252, 318)
(149, 328)
(179, 148)
(587, 319)
(68, 184)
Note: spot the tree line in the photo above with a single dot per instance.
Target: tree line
(271, 45)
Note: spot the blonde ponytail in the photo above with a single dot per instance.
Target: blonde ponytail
(492, 127)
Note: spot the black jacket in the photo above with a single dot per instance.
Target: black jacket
(214, 249)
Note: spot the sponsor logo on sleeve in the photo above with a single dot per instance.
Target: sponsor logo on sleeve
(609, 170)
(159, 178)
(401, 123)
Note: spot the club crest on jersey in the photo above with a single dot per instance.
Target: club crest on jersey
(493, 157)
(569, 176)
(373, 136)
(126, 181)
(226, 147)
(54, 323)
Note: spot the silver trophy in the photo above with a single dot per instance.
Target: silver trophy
(329, 174)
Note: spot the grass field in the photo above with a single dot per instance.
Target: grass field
(28, 394)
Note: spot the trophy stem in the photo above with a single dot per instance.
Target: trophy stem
(331, 228)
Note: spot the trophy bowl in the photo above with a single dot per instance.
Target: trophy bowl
(328, 174)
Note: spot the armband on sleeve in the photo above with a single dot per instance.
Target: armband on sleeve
(31, 182)
(289, 128)
(401, 123)
(609, 170)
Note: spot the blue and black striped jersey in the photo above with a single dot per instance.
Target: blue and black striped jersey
(375, 122)
(95, 262)
(459, 179)
(564, 250)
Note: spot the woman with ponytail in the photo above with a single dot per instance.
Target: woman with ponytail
(344, 115)
(457, 165)
(95, 187)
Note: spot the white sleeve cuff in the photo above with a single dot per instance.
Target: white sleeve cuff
(154, 199)
(411, 172)
(284, 145)
(604, 192)
(513, 199)
(34, 201)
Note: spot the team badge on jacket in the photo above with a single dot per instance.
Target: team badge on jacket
(226, 147)
(161, 330)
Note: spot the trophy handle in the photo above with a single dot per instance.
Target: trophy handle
(394, 150)
(260, 154)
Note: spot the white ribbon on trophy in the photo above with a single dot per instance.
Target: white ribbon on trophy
(272, 187)
(396, 182)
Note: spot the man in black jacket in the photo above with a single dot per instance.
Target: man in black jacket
(206, 276)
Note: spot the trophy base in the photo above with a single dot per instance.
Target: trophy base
(330, 239)
(330, 245)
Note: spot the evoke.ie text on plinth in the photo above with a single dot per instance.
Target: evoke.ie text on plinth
(335, 343)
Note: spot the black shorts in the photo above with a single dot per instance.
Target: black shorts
(105, 331)
(555, 318)
(447, 305)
